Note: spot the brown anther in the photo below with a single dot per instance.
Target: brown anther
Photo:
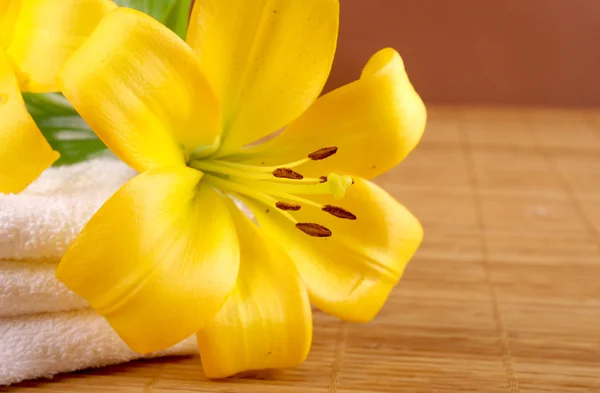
(338, 212)
(323, 179)
(313, 229)
(323, 153)
(288, 206)
(287, 173)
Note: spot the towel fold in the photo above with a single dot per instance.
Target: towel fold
(32, 287)
(38, 225)
(44, 345)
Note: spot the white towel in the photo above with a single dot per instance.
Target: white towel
(36, 227)
(44, 345)
(42, 221)
(32, 287)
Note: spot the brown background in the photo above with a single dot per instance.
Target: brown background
(543, 52)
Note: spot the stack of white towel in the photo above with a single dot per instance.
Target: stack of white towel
(44, 328)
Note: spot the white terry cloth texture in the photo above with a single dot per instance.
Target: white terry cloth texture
(38, 225)
(36, 228)
(32, 287)
(41, 222)
(44, 345)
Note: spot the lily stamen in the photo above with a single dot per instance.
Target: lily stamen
(259, 168)
(304, 180)
(316, 155)
(339, 212)
(336, 211)
(312, 229)
(216, 167)
(323, 153)
(336, 186)
(287, 173)
(235, 187)
(240, 191)
(288, 206)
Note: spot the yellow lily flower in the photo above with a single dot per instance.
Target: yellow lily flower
(170, 254)
(36, 38)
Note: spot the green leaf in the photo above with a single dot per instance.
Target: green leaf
(158, 9)
(76, 150)
(64, 129)
(179, 17)
(53, 103)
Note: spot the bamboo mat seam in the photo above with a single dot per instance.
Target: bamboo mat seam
(507, 360)
(340, 349)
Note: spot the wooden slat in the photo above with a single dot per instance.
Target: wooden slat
(504, 295)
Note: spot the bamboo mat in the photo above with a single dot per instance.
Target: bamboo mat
(504, 295)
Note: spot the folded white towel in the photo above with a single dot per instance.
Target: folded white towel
(32, 287)
(42, 221)
(36, 227)
(38, 338)
(44, 345)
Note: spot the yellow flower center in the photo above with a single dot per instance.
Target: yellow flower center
(280, 186)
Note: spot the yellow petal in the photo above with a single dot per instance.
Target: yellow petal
(267, 59)
(9, 11)
(157, 260)
(351, 273)
(24, 152)
(140, 88)
(47, 33)
(375, 122)
(266, 323)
